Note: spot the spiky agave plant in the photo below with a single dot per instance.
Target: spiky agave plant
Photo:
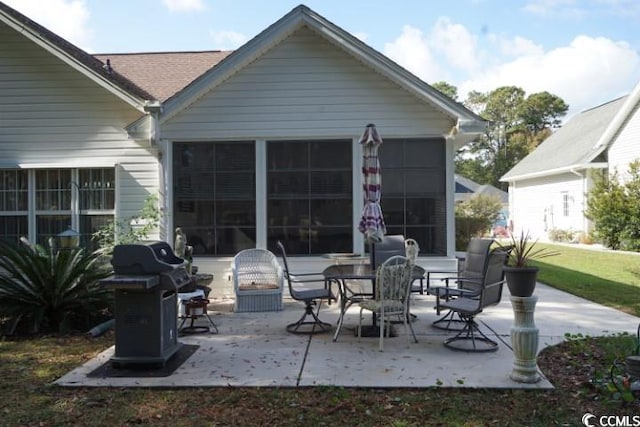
(522, 249)
(47, 290)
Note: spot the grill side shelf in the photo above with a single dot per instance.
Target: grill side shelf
(118, 281)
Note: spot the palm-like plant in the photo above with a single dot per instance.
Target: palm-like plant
(43, 289)
(522, 249)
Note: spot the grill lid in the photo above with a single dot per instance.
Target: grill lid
(145, 258)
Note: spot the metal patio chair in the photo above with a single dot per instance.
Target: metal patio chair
(393, 292)
(310, 297)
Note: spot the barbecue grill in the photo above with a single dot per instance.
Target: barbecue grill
(146, 283)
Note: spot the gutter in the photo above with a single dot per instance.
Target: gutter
(570, 169)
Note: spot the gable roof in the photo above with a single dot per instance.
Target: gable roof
(572, 147)
(469, 125)
(75, 57)
(467, 188)
(162, 74)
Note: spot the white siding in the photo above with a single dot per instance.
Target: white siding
(52, 115)
(305, 87)
(537, 205)
(626, 147)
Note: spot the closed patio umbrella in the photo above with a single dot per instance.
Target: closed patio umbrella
(372, 221)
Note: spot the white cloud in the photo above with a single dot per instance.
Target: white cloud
(228, 39)
(455, 43)
(184, 5)
(67, 18)
(411, 50)
(586, 73)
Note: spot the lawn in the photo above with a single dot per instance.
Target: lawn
(578, 368)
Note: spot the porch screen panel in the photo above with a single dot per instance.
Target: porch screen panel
(413, 191)
(309, 196)
(214, 195)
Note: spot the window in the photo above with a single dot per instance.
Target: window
(214, 195)
(56, 193)
(565, 203)
(413, 191)
(14, 207)
(97, 201)
(309, 196)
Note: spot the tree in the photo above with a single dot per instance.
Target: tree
(517, 125)
(450, 90)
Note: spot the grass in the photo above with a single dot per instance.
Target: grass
(606, 277)
(578, 368)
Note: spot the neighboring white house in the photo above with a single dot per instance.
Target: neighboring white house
(244, 148)
(548, 188)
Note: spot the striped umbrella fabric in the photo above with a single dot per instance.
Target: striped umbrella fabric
(372, 221)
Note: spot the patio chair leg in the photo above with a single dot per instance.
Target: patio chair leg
(475, 339)
(448, 322)
(317, 326)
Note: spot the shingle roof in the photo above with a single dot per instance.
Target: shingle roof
(573, 145)
(163, 74)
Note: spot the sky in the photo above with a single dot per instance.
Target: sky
(585, 51)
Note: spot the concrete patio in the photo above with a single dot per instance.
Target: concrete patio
(254, 350)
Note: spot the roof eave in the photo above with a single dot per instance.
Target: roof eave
(466, 120)
(619, 119)
(564, 169)
(135, 101)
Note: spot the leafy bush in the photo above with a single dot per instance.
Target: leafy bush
(559, 235)
(44, 290)
(474, 218)
(615, 209)
(130, 230)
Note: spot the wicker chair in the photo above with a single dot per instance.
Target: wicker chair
(258, 281)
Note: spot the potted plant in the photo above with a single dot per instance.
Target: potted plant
(521, 277)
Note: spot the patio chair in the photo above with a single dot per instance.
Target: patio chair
(470, 338)
(392, 245)
(311, 298)
(465, 282)
(393, 292)
(258, 281)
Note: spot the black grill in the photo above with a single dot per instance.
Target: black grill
(146, 282)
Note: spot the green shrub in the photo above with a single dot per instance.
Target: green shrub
(558, 235)
(615, 209)
(474, 218)
(122, 231)
(44, 290)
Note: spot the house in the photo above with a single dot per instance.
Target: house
(548, 188)
(244, 148)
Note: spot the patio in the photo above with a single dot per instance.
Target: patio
(254, 350)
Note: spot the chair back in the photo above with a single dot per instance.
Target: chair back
(476, 257)
(390, 245)
(287, 274)
(255, 266)
(493, 278)
(393, 282)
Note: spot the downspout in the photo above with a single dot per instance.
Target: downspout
(154, 109)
